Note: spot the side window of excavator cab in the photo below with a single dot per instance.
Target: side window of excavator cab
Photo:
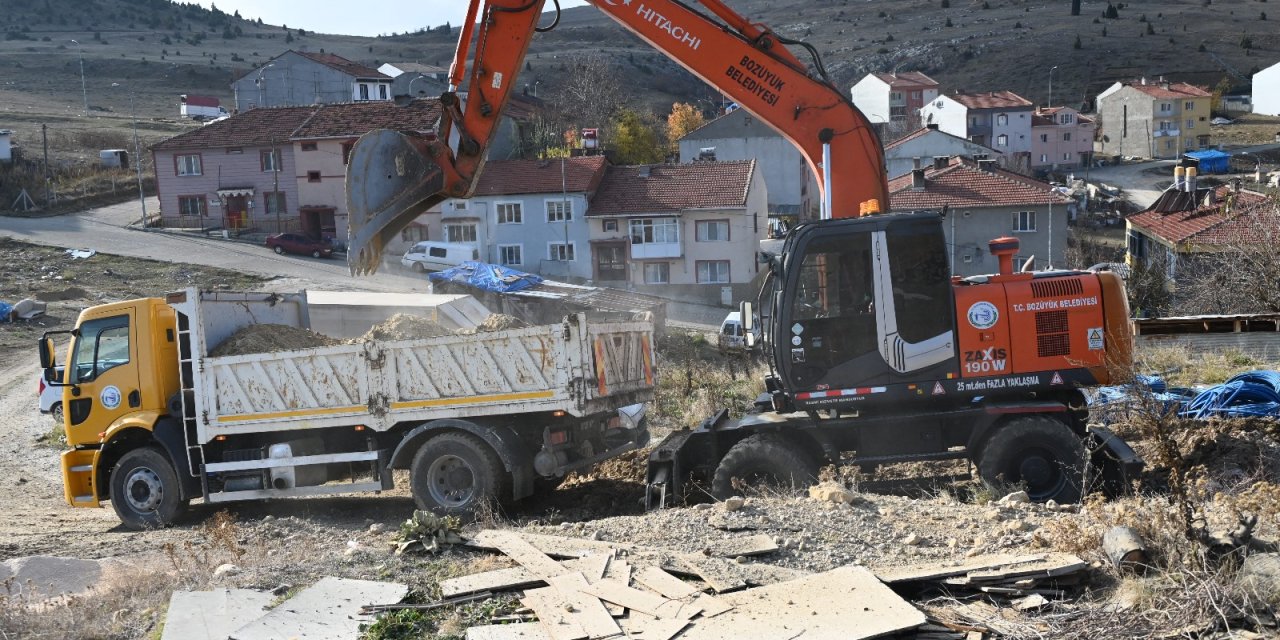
(835, 278)
(921, 280)
(103, 344)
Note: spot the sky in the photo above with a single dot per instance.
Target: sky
(363, 18)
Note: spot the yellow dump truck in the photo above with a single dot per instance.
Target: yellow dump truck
(153, 421)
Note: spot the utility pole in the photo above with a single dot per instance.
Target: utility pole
(275, 195)
(44, 138)
(137, 163)
(83, 89)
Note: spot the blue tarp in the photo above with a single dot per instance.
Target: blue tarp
(489, 277)
(1211, 160)
(1252, 394)
(5, 309)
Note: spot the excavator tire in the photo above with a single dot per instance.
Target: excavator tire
(1037, 453)
(457, 474)
(763, 459)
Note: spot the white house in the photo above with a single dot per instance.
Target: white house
(997, 119)
(1266, 91)
(6, 153)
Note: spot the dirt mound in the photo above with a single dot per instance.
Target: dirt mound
(266, 338)
(628, 467)
(501, 322)
(403, 326)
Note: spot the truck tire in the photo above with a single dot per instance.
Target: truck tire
(1038, 453)
(145, 491)
(56, 411)
(455, 473)
(763, 459)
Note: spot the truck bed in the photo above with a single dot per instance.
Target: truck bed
(572, 366)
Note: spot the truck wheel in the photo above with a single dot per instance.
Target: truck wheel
(455, 473)
(145, 491)
(1038, 453)
(763, 460)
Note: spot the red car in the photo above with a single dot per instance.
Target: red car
(299, 244)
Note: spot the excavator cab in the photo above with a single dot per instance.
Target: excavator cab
(859, 303)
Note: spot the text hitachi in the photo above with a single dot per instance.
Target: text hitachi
(660, 21)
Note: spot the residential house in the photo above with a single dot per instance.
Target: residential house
(687, 231)
(894, 98)
(932, 145)
(529, 214)
(235, 173)
(983, 202)
(296, 78)
(997, 119)
(1154, 119)
(414, 79)
(1186, 224)
(739, 135)
(1061, 138)
(1266, 91)
(321, 148)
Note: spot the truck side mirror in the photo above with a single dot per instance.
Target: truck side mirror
(748, 320)
(47, 358)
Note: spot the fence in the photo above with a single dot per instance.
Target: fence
(239, 225)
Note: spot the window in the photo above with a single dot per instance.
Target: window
(103, 345)
(608, 225)
(713, 272)
(460, 233)
(1166, 125)
(510, 213)
(313, 176)
(1066, 156)
(657, 273)
(915, 95)
(1189, 106)
(273, 202)
(1067, 118)
(1191, 123)
(1024, 221)
(559, 210)
(1044, 157)
(1002, 140)
(1044, 137)
(192, 206)
(650, 231)
(414, 233)
(235, 150)
(382, 92)
(1066, 137)
(346, 151)
(1165, 107)
(1002, 119)
(437, 252)
(308, 146)
(712, 231)
(511, 255)
(188, 165)
(270, 161)
(364, 91)
(560, 251)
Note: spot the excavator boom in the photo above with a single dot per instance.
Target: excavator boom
(393, 177)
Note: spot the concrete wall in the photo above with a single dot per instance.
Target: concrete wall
(1048, 152)
(1133, 124)
(950, 116)
(1016, 128)
(331, 190)
(969, 230)
(900, 160)
(741, 136)
(871, 96)
(534, 234)
(1266, 91)
(227, 168)
(292, 80)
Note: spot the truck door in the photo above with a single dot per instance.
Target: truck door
(104, 374)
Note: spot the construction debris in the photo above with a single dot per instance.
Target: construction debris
(213, 615)
(327, 610)
(1126, 549)
(999, 576)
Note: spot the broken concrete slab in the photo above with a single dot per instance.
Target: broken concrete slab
(722, 575)
(517, 548)
(522, 631)
(588, 611)
(45, 577)
(213, 615)
(514, 578)
(554, 546)
(555, 614)
(755, 545)
(848, 603)
(327, 610)
(940, 570)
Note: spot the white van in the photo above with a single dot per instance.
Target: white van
(438, 256)
(731, 335)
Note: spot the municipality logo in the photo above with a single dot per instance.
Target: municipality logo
(983, 315)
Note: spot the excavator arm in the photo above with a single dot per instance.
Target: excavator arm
(393, 177)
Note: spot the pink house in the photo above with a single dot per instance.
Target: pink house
(1061, 138)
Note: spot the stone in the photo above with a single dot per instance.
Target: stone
(703, 506)
(993, 515)
(1017, 497)
(912, 540)
(226, 569)
(734, 503)
(1016, 525)
(376, 528)
(828, 492)
(1051, 505)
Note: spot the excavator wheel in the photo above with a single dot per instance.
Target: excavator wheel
(763, 460)
(1037, 453)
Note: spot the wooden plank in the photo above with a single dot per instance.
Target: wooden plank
(554, 614)
(1054, 564)
(524, 631)
(755, 545)
(665, 584)
(511, 578)
(593, 566)
(722, 575)
(518, 549)
(589, 612)
(638, 600)
(619, 570)
(653, 629)
(937, 570)
(555, 546)
(711, 605)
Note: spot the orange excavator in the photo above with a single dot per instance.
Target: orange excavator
(877, 353)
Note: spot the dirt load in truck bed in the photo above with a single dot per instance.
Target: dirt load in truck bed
(403, 326)
(266, 338)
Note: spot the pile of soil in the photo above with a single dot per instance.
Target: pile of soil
(267, 338)
(403, 326)
(501, 322)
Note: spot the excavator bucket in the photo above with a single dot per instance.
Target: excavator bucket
(391, 179)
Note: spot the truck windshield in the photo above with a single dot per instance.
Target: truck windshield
(103, 344)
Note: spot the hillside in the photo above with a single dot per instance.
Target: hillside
(159, 49)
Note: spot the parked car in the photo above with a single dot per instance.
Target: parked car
(1221, 120)
(51, 395)
(299, 244)
(731, 336)
(438, 256)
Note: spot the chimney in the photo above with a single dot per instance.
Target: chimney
(1164, 84)
(643, 171)
(1177, 178)
(1210, 198)
(1144, 81)
(917, 179)
(987, 165)
(1191, 180)
(915, 162)
(932, 125)
(940, 162)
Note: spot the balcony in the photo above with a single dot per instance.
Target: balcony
(654, 250)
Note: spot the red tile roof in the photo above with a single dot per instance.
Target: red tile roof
(962, 184)
(672, 188)
(514, 177)
(906, 79)
(252, 128)
(1233, 218)
(922, 132)
(358, 118)
(992, 100)
(1174, 91)
(344, 65)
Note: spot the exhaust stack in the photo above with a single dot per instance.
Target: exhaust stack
(1004, 249)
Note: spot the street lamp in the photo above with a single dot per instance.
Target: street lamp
(137, 158)
(1055, 68)
(83, 90)
(420, 76)
(260, 81)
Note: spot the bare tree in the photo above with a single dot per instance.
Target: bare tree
(592, 92)
(1238, 272)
